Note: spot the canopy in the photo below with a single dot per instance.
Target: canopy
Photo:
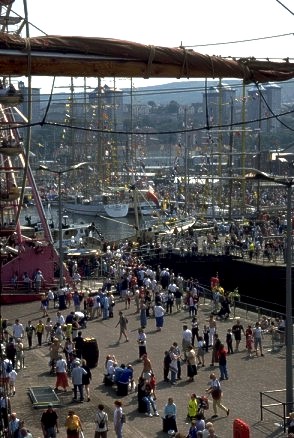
(101, 57)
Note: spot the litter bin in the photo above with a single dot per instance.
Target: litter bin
(122, 389)
(240, 429)
(90, 352)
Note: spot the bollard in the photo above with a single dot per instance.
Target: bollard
(240, 429)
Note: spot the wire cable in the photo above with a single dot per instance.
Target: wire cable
(137, 132)
(284, 6)
(270, 110)
(241, 41)
(49, 103)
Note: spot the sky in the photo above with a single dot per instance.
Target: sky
(206, 26)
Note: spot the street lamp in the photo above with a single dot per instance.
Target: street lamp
(59, 173)
(288, 183)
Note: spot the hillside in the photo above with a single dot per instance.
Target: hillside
(189, 92)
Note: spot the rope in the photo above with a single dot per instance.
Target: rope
(29, 54)
(150, 61)
(185, 66)
(28, 139)
(212, 67)
(49, 103)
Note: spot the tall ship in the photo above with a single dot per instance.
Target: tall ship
(100, 190)
(24, 251)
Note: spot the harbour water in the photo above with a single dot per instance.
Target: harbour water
(111, 229)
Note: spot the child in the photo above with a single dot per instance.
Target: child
(48, 330)
(19, 359)
(200, 351)
(194, 330)
(229, 341)
(141, 339)
(152, 383)
(44, 305)
(249, 340)
(132, 384)
(206, 337)
(68, 331)
(12, 380)
(127, 300)
(68, 297)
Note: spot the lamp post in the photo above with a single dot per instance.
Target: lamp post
(288, 183)
(59, 173)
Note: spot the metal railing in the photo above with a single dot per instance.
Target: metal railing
(239, 306)
(174, 246)
(274, 405)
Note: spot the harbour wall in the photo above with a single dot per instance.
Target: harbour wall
(263, 285)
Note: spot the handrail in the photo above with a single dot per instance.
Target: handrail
(266, 407)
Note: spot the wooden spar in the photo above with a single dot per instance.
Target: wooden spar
(100, 57)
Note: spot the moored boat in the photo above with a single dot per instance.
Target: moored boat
(145, 208)
(78, 236)
(116, 210)
(108, 203)
(83, 206)
(169, 225)
(116, 202)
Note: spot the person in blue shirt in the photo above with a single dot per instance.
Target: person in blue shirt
(105, 306)
(123, 376)
(76, 301)
(169, 416)
(126, 376)
(69, 318)
(118, 371)
(193, 433)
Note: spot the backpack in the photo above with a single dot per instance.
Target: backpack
(8, 367)
(102, 423)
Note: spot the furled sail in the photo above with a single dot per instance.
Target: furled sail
(100, 57)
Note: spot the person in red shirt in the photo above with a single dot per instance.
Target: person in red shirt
(222, 362)
(214, 282)
(152, 383)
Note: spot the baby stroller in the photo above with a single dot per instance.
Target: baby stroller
(52, 365)
(203, 404)
(82, 319)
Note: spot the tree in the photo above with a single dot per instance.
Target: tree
(152, 104)
(172, 107)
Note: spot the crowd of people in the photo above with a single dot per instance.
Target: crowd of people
(152, 294)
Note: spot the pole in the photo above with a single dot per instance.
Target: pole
(59, 173)
(258, 154)
(243, 149)
(60, 232)
(289, 324)
(135, 200)
(186, 165)
(231, 141)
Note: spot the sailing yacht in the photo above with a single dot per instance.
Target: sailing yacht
(106, 203)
